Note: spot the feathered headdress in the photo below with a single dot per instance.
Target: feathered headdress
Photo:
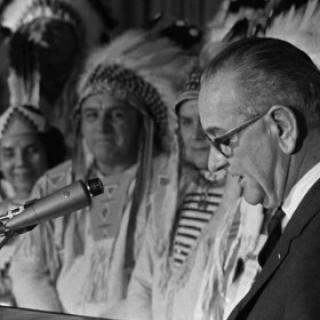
(146, 70)
(301, 27)
(23, 115)
(217, 30)
(191, 87)
(89, 18)
(63, 32)
(22, 119)
(227, 26)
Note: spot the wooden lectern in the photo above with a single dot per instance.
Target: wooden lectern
(10, 313)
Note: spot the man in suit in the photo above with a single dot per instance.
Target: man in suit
(260, 107)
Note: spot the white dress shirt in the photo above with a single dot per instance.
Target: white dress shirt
(298, 191)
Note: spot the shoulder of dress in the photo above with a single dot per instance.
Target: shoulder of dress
(61, 169)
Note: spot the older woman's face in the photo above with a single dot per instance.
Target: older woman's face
(22, 161)
(195, 144)
(111, 129)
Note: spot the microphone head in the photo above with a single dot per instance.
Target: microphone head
(95, 186)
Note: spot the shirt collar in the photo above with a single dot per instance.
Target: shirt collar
(298, 191)
(213, 176)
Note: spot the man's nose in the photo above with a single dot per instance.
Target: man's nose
(198, 131)
(216, 160)
(20, 158)
(106, 123)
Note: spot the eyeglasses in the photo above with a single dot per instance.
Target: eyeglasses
(223, 142)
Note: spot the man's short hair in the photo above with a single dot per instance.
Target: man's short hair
(268, 72)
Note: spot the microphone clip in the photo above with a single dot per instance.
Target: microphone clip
(4, 231)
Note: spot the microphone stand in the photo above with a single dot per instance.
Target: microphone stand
(7, 238)
(7, 235)
(10, 234)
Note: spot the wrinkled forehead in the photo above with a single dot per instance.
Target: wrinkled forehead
(219, 101)
(188, 108)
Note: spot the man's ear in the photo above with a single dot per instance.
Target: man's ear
(284, 127)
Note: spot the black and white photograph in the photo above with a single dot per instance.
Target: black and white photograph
(160, 159)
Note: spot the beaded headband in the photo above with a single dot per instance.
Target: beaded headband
(191, 87)
(25, 118)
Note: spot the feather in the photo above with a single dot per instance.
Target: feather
(24, 90)
(301, 27)
(24, 78)
(218, 30)
(217, 36)
(80, 13)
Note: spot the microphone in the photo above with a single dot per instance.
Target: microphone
(63, 201)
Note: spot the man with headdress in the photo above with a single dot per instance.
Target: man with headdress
(63, 33)
(123, 122)
(170, 265)
(159, 289)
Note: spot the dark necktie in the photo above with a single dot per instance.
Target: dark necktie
(274, 233)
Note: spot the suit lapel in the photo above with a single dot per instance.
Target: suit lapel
(307, 209)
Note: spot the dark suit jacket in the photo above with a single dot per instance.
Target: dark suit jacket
(288, 287)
